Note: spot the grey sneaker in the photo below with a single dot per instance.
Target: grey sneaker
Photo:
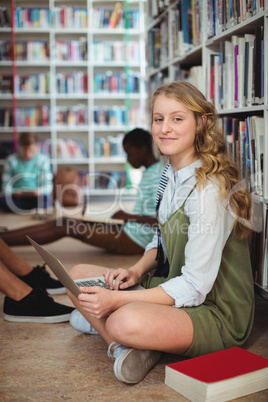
(81, 324)
(132, 365)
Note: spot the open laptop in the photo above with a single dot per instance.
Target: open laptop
(62, 274)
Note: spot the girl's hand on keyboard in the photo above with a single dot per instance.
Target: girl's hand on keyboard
(120, 278)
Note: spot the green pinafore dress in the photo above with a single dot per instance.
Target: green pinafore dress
(226, 316)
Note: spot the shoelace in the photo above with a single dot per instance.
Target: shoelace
(42, 296)
(115, 349)
(42, 268)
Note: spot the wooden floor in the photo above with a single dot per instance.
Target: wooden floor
(53, 362)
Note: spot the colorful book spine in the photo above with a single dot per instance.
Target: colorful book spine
(110, 146)
(74, 83)
(76, 115)
(116, 115)
(32, 116)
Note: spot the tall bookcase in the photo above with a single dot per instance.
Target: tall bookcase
(222, 48)
(79, 81)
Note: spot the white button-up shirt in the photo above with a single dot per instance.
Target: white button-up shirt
(209, 228)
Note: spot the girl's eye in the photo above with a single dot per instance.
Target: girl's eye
(157, 119)
(177, 119)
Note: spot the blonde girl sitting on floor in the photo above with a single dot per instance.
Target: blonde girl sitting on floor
(198, 295)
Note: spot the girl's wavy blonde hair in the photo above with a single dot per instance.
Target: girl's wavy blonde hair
(212, 150)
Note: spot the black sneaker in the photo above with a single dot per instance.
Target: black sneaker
(36, 307)
(40, 278)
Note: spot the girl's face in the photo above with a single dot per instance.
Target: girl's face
(173, 130)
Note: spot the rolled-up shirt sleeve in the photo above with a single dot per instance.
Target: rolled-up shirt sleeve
(209, 228)
(152, 244)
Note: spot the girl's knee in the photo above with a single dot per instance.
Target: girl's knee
(82, 271)
(77, 271)
(123, 323)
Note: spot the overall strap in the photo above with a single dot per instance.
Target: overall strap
(194, 187)
(163, 264)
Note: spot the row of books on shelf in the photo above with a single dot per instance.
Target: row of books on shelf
(25, 116)
(236, 72)
(101, 180)
(117, 51)
(117, 115)
(75, 82)
(66, 148)
(180, 73)
(57, 17)
(74, 50)
(6, 84)
(110, 180)
(109, 146)
(5, 21)
(74, 17)
(24, 50)
(32, 116)
(186, 26)
(76, 115)
(116, 18)
(103, 115)
(194, 75)
(31, 84)
(245, 140)
(122, 82)
(258, 242)
(256, 254)
(223, 15)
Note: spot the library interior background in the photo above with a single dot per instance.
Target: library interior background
(82, 76)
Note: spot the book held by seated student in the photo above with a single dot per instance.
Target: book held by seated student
(219, 376)
(88, 216)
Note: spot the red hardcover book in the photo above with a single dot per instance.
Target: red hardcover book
(219, 376)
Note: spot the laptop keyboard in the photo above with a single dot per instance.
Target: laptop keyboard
(92, 282)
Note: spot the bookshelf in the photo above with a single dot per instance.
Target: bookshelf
(79, 81)
(222, 48)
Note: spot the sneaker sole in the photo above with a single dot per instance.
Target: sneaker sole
(56, 291)
(41, 320)
(131, 367)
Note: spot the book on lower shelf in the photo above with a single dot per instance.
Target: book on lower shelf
(219, 376)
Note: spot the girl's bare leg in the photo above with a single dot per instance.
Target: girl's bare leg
(151, 326)
(13, 262)
(43, 233)
(11, 285)
(139, 325)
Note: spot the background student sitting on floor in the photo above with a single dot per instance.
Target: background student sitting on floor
(27, 177)
(26, 290)
(138, 229)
